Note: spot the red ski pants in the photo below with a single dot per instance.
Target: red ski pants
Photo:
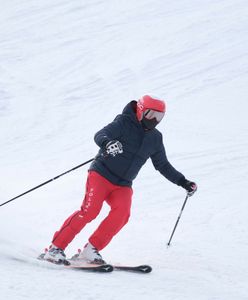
(98, 190)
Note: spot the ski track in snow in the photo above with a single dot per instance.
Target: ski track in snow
(66, 69)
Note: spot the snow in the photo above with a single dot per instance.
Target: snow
(66, 69)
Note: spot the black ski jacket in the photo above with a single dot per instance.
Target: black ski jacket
(138, 146)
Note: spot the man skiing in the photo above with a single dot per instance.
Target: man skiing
(125, 145)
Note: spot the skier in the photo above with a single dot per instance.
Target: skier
(125, 145)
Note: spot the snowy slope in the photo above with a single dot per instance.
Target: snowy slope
(66, 69)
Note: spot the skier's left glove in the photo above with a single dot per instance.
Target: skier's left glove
(189, 186)
(114, 147)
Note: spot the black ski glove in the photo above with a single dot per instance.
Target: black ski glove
(114, 147)
(189, 186)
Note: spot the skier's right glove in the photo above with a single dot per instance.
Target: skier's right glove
(114, 147)
(189, 186)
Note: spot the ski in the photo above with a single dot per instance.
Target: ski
(136, 269)
(110, 268)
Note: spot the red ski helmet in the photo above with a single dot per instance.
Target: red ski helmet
(150, 111)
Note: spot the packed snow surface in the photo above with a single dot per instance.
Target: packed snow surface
(66, 69)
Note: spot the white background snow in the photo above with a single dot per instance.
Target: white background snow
(66, 69)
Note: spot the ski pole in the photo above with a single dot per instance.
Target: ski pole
(174, 229)
(48, 181)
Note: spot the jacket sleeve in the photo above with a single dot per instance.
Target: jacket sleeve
(110, 132)
(161, 163)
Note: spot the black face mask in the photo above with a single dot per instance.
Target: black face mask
(149, 124)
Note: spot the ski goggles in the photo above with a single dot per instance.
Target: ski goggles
(153, 114)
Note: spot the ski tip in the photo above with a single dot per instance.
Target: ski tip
(136, 269)
(145, 268)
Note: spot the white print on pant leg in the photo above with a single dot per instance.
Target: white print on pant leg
(88, 200)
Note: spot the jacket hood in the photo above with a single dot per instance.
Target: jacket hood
(130, 110)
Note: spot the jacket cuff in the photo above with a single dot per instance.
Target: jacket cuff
(181, 181)
(104, 142)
